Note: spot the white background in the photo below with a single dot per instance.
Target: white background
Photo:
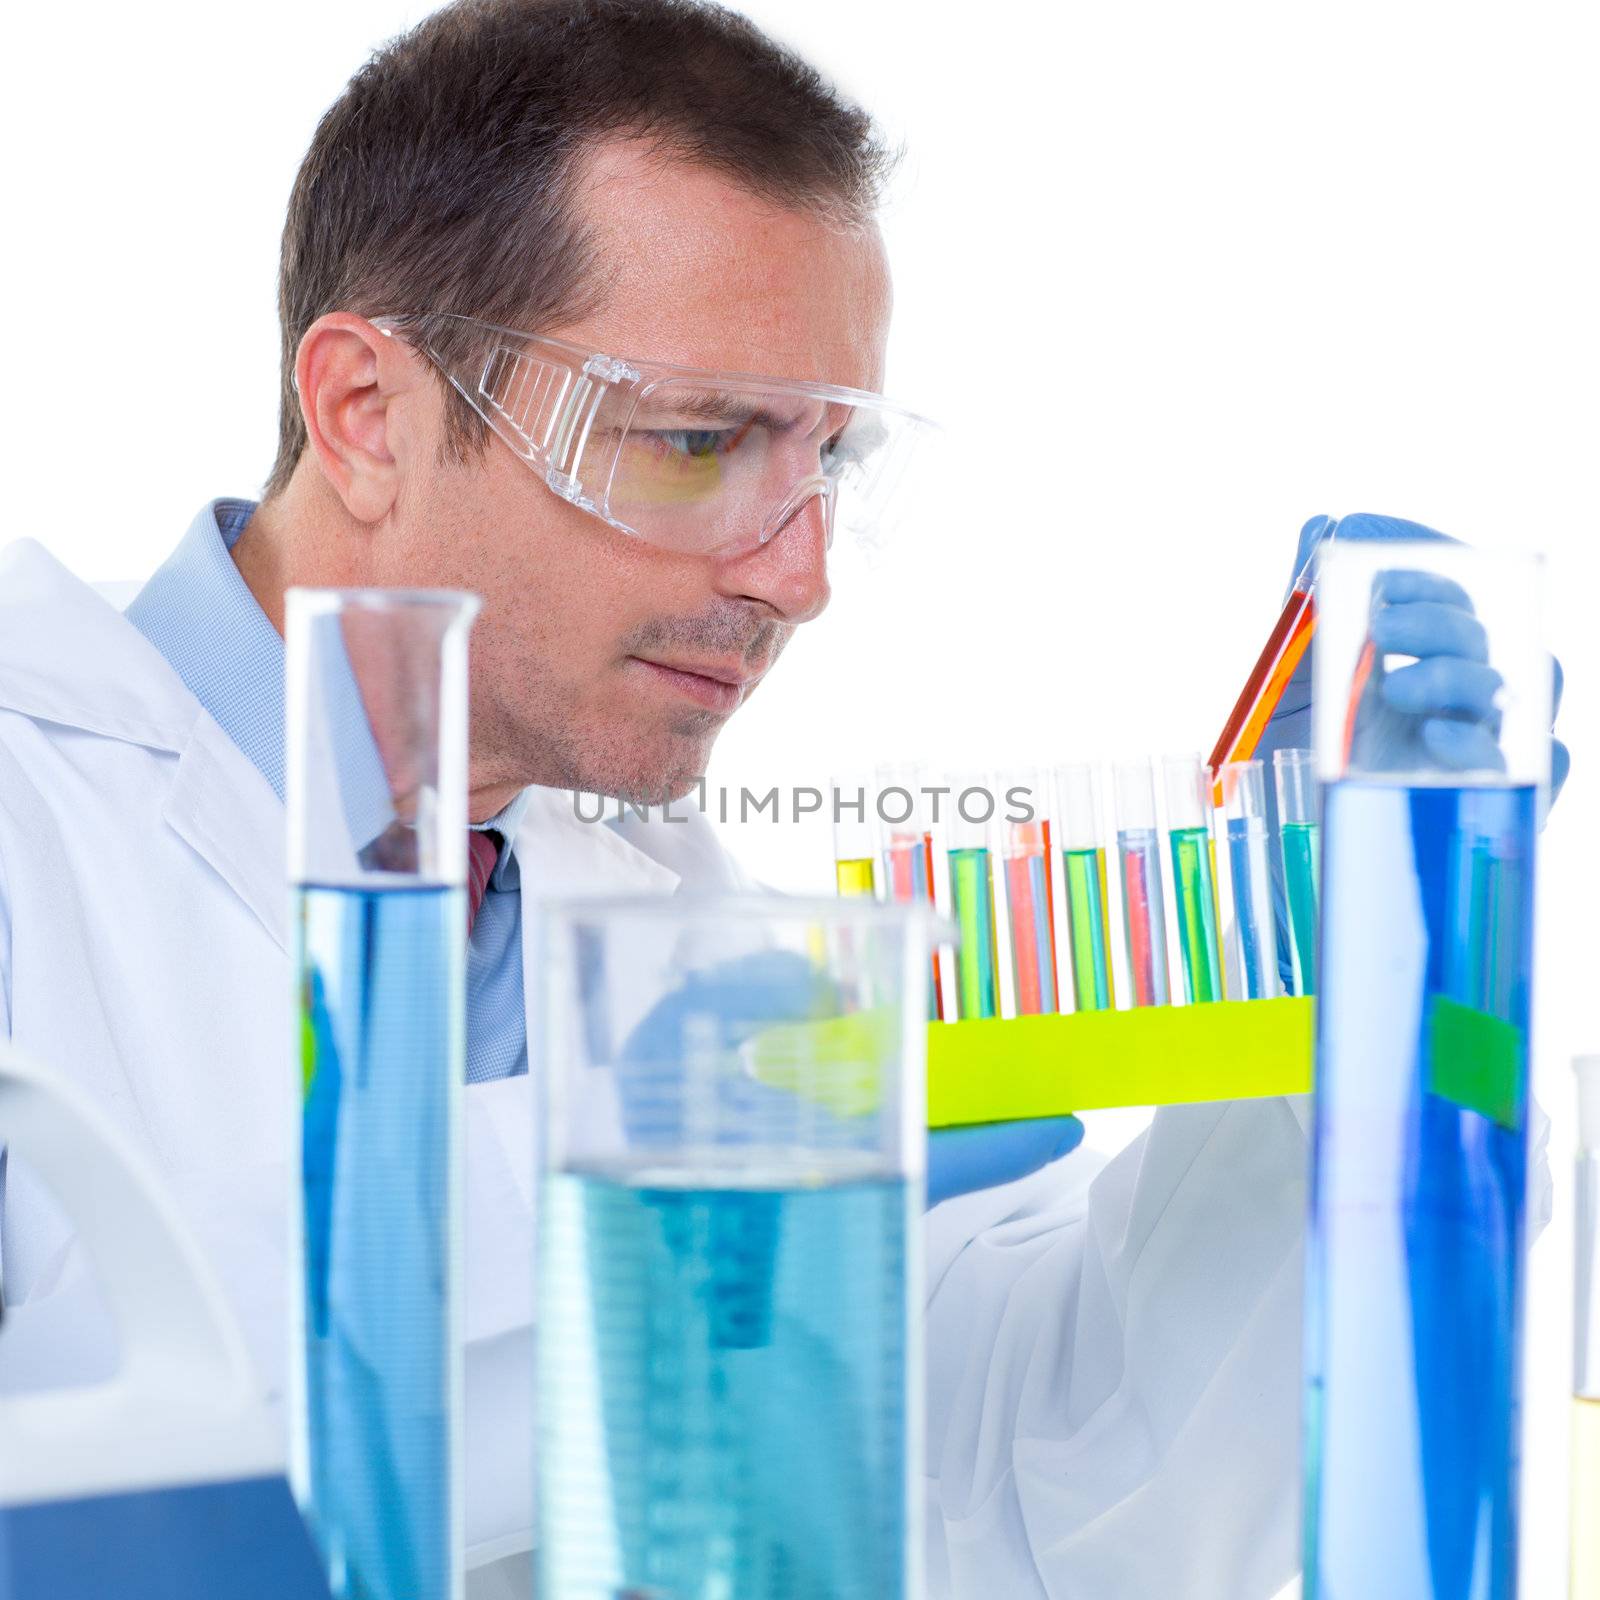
(1175, 277)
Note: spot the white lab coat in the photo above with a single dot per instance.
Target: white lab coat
(1113, 1356)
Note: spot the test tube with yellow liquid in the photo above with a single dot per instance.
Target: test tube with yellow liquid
(855, 837)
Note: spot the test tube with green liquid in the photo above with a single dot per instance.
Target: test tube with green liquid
(1144, 912)
(1083, 860)
(1194, 883)
(972, 806)
(855, 837)
(1300, 834)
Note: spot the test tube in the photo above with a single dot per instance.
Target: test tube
(1030, 904)
(1299, 832)
(908, 851)
(1083, 861)
(376, 716)
(1255, 944)
(1143, 907)
(855, 837)
(1283, 652)
(972, 806)
(1194, 881)
(1585, 1573)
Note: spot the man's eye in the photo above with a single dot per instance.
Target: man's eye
(696, 443)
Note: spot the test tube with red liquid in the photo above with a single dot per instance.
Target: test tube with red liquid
(908, 851)
(1143, 904)
(1030, 904)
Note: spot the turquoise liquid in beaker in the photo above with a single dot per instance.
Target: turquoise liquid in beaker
(1415, 1281)
(721, 1383)
(381, 1068)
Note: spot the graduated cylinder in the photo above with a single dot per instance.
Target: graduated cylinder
(377, 803)
(1415, 1250)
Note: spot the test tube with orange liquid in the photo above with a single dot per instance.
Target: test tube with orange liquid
(1283, 652)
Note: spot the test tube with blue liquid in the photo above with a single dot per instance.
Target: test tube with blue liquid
(1416, 1245)
(1300, 838)
(729, 1367)
(972, 896)
(1088, 905)
(1139, 865)
(1030, 900)
(377, 818)
(1255, 944)
(1194, 880)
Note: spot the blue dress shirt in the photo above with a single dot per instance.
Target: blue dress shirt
(199, 613)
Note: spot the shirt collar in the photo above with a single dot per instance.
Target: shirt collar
(198, 611)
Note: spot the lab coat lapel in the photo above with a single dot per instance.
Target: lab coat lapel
(68, 656)
(223, 808)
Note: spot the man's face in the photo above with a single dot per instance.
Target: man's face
(601, 662)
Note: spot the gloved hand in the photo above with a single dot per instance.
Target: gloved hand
(1444, 699)
(769, 986)
(961, 1160)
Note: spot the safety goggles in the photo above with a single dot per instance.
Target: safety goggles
(695, 461)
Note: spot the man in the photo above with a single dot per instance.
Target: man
(501, 196)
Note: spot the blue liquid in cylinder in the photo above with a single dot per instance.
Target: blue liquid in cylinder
(375, 1452)
(722, 1389)
(1415, 1254)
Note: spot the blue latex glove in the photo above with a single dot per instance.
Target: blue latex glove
(963, 1159)
(1443, 699)
(773, 986)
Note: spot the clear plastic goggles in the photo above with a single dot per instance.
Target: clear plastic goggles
(695, 461)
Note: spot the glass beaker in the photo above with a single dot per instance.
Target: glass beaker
(733, 1164)
(377, 811)
(1415, 1251)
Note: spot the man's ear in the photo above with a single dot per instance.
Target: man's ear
(348, 373)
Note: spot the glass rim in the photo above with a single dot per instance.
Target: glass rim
(722, 905)
(1427, 551)
(368, 597)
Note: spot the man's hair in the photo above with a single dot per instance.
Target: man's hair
(443, 179)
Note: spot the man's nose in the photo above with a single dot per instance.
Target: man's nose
(789, 573)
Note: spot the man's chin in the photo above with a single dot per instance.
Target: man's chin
(652, 783)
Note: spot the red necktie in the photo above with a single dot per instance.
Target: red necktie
(483, 851)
